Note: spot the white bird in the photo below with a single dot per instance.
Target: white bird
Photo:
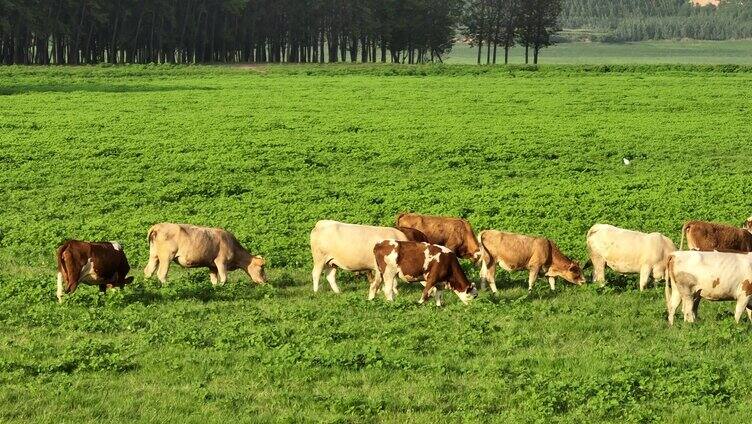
(626, 161)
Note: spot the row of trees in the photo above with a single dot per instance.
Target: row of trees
(635, 20)
(191, 31)
(502, 23)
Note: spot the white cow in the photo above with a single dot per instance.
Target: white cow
(627, 251)
(346, 246)
(693, 275)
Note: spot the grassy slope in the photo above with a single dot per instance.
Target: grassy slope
(103, 153)
(685, 51)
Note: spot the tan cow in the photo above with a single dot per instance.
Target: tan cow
(347, 246)
(694, 275)
(436, 266)
(101, 263)
(516, 251)
(627, 251)
(709, 236)
(200, 247)
(454, 233)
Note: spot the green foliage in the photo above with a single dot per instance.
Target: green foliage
(104, 152)
(635, 20)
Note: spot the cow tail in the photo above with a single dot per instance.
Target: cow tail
(152, 235)
(685, 228)
(669, 277)
(61, 261)
(484, 256)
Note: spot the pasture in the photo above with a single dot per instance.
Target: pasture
(102, 153)
(642, 52)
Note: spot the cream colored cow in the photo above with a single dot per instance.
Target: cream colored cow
(694, 275)
(200, 247)
(347, 246)
(627, 251)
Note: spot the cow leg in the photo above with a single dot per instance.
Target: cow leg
(490, 276)
(644, 277)
(552, 283)
(696, 306)
(213, 277)
(376, 283)
(427, 291)
(102, 288)
(318, 266)
(741, 305)
(59, 287)
(531, 278)
(221, 271)
(390, 286)
(599, 270)
(673, 304)
(151, 266)
(687, 306)
(331, 277)
(437, 294)
(164, 266)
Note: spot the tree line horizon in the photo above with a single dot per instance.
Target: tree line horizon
(266, 31)
(317, 31)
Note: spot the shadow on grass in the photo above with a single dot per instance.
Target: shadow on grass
(94, 88)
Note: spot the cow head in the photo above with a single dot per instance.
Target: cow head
(747, 225)
(119, 283)
(469, 294)
(571, 272)
(256, 269)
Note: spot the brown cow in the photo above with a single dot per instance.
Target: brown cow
(413, 235)
(709, 236)
(454, 233)
(435, 265)
(200, 247)
(516, 251)
(100, 263)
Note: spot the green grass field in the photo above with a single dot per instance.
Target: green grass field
(644, 52)
(103, 153)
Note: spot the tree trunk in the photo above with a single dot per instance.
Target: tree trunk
(480, 48)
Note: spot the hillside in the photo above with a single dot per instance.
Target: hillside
(637, 20)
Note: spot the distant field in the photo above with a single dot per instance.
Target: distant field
(104, 152)
(690, 52)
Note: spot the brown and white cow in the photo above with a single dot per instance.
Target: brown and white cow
(347, 246)
(432, 264)
(627, 251)
(516, 251)
(708, 236)
(200, 247)
(95, 263)
(454, 233)
(694, 275)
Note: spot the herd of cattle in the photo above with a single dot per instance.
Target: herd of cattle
(426, 248)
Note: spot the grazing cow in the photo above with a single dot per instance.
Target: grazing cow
(200, 247)
(413, 235)
(516, 251)
(346, 246)
(102, 263)
(412, 261)
(454, 233)
(693, 275)
(627, 251)
(708, 236)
